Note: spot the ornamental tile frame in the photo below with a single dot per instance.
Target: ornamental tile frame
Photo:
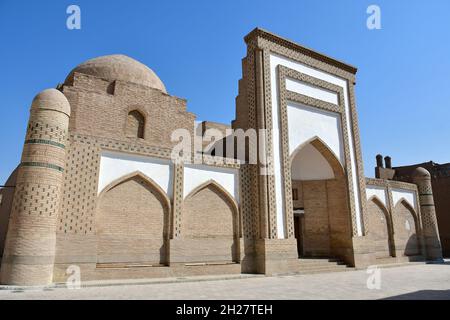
(286, 96)
(268, 43)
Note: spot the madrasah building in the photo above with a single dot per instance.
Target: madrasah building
(97, 187)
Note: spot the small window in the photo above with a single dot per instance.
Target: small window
(135, 124)
(295, 194)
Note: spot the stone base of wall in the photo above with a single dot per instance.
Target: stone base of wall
(264, 256)
(276, 256)
(91, 272)
(204, 250)
(247, 255)
(433, 248)
(26, 274)
(365, 255)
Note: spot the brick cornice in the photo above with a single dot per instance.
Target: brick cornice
(258, 32)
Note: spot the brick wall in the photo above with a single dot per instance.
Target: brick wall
(131, 223)
(379, 230)
(209, 227)
(405, 236)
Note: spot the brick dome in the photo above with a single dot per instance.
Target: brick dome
(120, 67)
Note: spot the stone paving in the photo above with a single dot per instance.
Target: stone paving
(431, 281)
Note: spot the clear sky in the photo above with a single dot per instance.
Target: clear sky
(196, 47)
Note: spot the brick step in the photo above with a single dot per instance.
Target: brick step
(321, 265)
(399, 260)
(127, 265)
(325, 270)
(329, 266)
(319, 262)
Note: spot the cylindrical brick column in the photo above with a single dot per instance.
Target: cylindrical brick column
(422, 178)
(29, 253)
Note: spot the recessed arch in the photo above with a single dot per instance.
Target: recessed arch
(132, 222)
(413, 212)
(213, 184)
(135, 126)
(141, 175)
(330, 162)
(210, 217)
(407, 203)
(378, 202)
(406, 229)
(380, 232)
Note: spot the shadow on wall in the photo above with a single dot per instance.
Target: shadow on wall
(412, 248)
(6, 199)
(423, 295)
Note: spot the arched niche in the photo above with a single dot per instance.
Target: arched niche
(132, 221)
(135, 127)
(210, 224)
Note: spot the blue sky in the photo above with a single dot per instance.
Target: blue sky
(403, 82)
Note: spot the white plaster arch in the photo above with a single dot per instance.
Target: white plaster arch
(114, 165)
(409, 196)
(196, 175)
(379, 192)
(309, 164)
(307, 123)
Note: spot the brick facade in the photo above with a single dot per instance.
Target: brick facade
(137, 226)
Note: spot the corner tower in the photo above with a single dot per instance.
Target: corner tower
(422, 178)
(30, 244)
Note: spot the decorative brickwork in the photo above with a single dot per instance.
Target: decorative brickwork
(66, 211)
(29, 253)
(285, 96)
(264, 40)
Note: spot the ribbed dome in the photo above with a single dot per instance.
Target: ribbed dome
(120, 67)
(51, 99)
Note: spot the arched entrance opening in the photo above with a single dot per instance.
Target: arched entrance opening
(321, 214)
(132, 222)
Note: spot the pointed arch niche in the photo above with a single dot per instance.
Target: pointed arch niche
(132, 221)
(406, 229)
(381, 231)
(209, 228)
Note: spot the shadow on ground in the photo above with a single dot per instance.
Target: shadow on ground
(423, 295)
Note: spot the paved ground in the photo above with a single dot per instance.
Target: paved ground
(406, 282)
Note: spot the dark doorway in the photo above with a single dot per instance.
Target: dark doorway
(299, 231)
